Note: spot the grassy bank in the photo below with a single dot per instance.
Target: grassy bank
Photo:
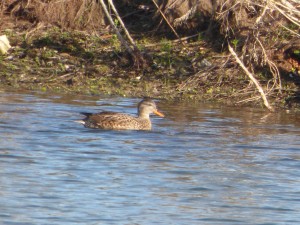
(56, 60)
(238, 52)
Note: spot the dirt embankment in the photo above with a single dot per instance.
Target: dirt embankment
(78, 52)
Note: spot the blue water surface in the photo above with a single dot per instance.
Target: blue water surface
(201, 164)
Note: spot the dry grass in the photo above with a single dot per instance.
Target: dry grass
(264, 35)
(74, 14)
(261, 29)
(261, 32)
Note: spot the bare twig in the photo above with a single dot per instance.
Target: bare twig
(134, 52)
(273, 68)
(252, 78)
(255, 98)
(181, 40)
(165, 18)
(121, 23)
(293, 17)
(121, 39)
(288, 29)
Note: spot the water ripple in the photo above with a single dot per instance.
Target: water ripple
(202, 164)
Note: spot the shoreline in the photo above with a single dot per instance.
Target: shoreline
(75, 62)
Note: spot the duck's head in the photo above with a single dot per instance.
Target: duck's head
(146, 107)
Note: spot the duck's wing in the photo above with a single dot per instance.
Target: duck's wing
(100, 113)
(111, 120)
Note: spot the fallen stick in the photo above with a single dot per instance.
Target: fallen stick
(261, 91)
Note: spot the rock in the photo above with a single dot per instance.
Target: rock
(4, 44)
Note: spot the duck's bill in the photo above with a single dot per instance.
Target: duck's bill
(158, 113)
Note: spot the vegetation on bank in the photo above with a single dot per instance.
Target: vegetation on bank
(183, 49)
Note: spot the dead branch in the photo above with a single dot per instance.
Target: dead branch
(122, 24)
(120, 37)
(190, 13)
(252, 78)
(165, 18)
(135, 53)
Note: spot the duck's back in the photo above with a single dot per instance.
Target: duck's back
(116, 121)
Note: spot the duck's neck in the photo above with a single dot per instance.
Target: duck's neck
(143, 115)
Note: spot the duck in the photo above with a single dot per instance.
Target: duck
(121, 121)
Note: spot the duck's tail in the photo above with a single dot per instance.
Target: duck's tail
(86, 114)
(83, 121)
(80, 121)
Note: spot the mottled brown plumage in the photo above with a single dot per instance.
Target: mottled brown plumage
(121, 121)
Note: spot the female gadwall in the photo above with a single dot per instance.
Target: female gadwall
(121, 121)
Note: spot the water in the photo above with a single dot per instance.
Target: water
(202, 164)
